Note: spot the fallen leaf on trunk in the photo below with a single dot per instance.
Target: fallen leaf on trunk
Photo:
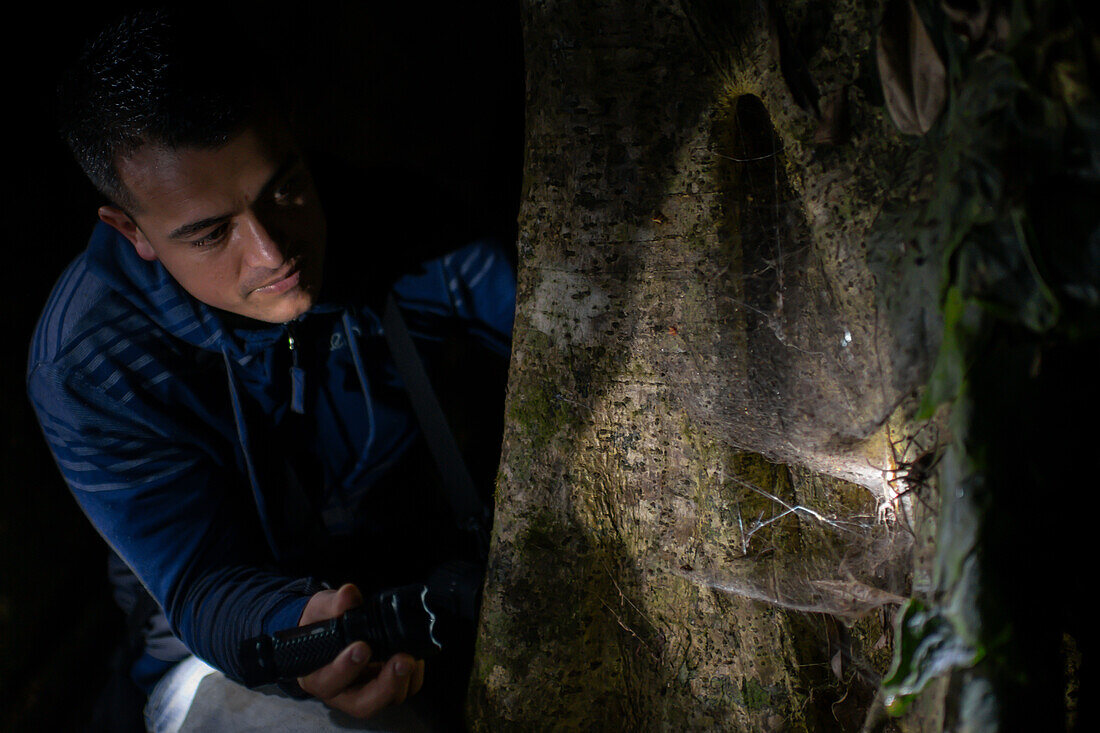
(912, 72)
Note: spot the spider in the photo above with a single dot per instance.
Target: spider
(910, 476)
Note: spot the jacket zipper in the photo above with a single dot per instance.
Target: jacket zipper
(297, 374)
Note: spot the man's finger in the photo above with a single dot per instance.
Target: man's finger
(404, 667)
(329, 681)
(390, 687)
(417, 680)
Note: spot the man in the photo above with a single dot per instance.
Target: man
(212, 373)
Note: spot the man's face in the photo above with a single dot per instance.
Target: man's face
(239, 227)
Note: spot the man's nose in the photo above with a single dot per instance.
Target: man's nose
(262, 246)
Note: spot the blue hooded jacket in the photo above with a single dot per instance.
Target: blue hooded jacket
(159, 411)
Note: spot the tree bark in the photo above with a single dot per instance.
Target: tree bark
(715, 354)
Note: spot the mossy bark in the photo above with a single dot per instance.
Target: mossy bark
(720, 332)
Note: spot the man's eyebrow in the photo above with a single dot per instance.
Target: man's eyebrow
(195, 227)
(291, 162)
(188, 230)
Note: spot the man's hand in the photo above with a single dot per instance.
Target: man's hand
(351, 682)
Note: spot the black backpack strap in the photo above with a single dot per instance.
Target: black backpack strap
(470, 512)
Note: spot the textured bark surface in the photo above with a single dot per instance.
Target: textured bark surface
(716, 347)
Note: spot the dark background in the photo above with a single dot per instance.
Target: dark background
(421, 106)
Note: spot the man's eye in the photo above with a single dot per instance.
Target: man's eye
(288, 193)
(215, 236)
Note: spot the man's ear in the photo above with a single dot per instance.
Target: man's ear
(121, 221)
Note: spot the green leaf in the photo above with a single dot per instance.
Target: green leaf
(949, 369)
(927, 645)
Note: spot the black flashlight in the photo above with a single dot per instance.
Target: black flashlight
(395, 620)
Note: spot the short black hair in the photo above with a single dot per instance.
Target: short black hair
(158, 76)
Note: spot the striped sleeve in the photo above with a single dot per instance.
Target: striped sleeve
(475, 284)
(169, 510)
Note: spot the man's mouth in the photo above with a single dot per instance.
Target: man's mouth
(282, 283)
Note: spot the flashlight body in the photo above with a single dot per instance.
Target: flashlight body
(396, 620)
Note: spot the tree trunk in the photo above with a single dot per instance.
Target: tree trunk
(698, 520)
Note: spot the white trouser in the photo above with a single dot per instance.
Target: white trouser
(194, 697)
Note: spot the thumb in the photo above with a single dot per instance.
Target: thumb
(327, 604)
(347, 597)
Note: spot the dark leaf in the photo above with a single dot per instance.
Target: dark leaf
(912, 73)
